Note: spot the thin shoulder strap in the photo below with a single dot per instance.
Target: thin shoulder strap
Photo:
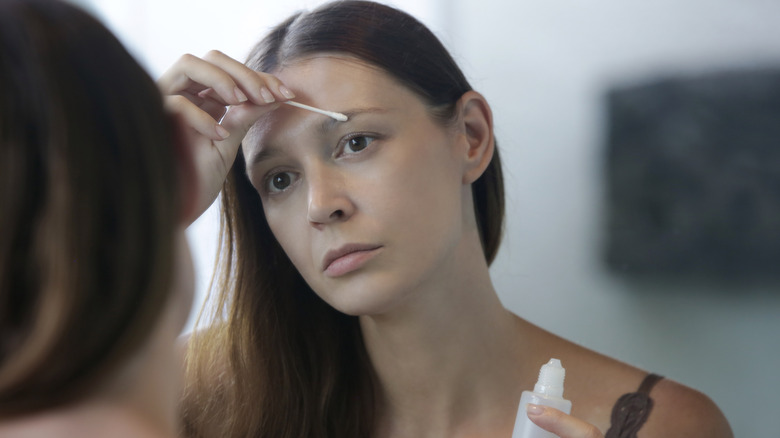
(631, 410)
(648, 383)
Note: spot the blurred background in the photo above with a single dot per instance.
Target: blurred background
(547, 68)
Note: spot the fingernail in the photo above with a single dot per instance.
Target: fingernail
(240, 95)
(222, 132)
(534, 409)
(267, 96)
(286, 92)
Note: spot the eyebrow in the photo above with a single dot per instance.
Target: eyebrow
(330, 123)
(327, 125)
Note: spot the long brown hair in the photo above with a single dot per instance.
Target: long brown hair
(288, 364)
(89, 204)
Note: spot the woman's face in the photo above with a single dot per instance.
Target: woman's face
(368, 210)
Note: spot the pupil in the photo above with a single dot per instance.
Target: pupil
(357, 144)
(281, 181)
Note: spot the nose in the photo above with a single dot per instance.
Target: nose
(328, 198)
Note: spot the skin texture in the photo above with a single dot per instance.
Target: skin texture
(402, 193)
(449, 359)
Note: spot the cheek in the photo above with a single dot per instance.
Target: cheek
(418, 202)
(288, 224)
(422, 184)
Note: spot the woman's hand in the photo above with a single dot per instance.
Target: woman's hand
(218, 99)
(563, 425)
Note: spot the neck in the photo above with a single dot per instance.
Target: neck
(442, 361)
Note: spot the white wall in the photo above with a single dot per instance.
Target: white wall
(544, 66)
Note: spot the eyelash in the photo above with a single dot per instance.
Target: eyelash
(338, 152)
(345, 141)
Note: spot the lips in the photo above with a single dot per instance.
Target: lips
(348, 258)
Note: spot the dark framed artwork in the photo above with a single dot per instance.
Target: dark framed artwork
(693, 177)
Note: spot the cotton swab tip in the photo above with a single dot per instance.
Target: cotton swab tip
(338, 116)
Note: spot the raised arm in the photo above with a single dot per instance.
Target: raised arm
(217, 99)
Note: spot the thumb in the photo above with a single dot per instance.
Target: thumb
(239, 119)
(215, 161)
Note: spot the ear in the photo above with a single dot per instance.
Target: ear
(476, 126)
(187, 180)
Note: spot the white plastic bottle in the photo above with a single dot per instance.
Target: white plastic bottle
(548, 391)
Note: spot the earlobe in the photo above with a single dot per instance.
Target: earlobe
(476, 121)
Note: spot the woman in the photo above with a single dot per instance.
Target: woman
(355, 298)
(95, 274)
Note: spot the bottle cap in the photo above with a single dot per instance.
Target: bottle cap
(551, 377)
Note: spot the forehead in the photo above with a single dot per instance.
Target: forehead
(331, 74)
(330, 82)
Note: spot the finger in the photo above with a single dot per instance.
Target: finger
(210, 94)
(192, 74)
(261, 88)
(215, 109)
(216, 160)
(175, 80)
(239, 119)
(196, 118)
(561, 424)
(209, 101)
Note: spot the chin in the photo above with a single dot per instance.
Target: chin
(364, 298)
(362, 304)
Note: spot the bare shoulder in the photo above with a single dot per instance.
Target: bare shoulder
(595, 382)
(682, 411)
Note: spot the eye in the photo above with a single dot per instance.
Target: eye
(279, 182)
(357, 143)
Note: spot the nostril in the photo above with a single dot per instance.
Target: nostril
(338, 214)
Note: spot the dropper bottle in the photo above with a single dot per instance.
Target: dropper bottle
(548, 391)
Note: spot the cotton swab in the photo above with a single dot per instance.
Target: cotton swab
(338, 116)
